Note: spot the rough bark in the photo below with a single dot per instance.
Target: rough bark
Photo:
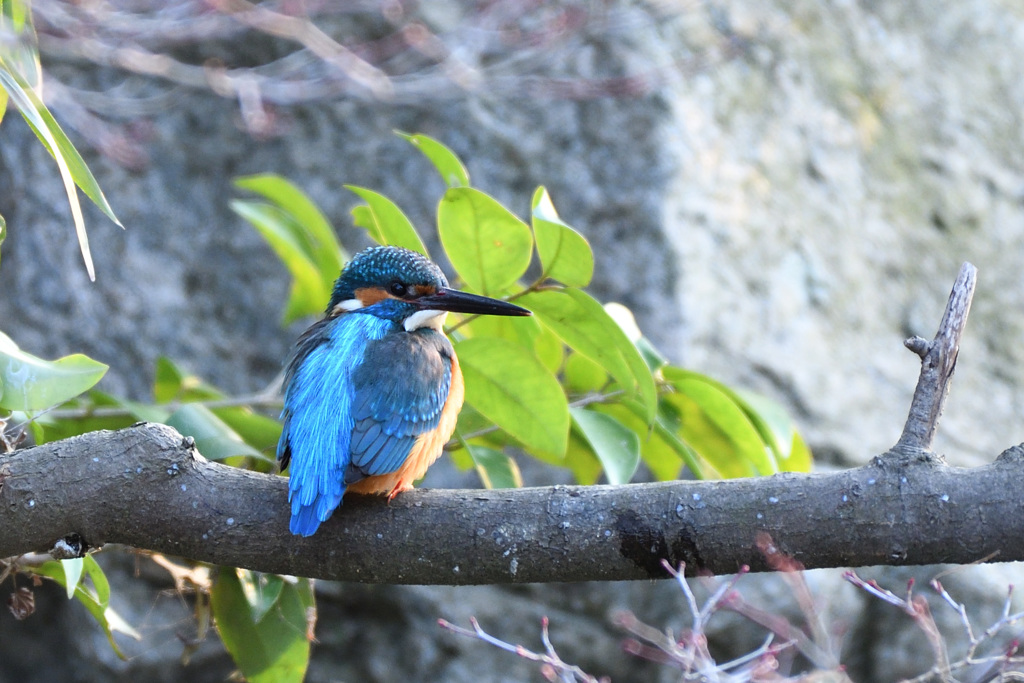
(147, 487)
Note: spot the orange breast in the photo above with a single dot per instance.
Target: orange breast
(425, 450)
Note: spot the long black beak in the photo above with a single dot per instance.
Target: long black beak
(463, 302)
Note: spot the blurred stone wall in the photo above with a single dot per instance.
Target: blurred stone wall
(791, 200)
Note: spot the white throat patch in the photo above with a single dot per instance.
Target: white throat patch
(346, 306)
(426, 318)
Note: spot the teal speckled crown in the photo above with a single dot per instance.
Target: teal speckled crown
(380, 266)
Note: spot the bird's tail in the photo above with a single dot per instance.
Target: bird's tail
(306, 519)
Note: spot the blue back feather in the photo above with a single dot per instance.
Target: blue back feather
(360, 389)
(317, 415)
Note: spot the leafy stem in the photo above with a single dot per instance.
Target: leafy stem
(266, 398)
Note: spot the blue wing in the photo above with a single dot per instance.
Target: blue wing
(400, 389)
(357, 397)
(317, 415)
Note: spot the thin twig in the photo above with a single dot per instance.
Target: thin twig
(938, 360)
(691, 599)
(312, 38)
(917, 608)
(566, 672)
(267, 397)
(258, 400)
(767, 648)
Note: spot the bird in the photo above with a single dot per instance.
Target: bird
(373, 390)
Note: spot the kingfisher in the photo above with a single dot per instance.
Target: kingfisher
(374, 389)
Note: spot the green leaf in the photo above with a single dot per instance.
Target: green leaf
(549, 348)
(261, 591)
(581, 460)
(471, 421)
(21, 56)
(63, 428)
(214, 439)
(310, 289)
(586, 327)
(773, 424)
(259, 431)
(462, 459)
(717, 427)
(662, 458)
(95, 600)
(72, 167)
(30, 383)
(272, 648)
(662, 452)
(663, 469)
(799, 459)
(140, 412)
(323, 247)
(172, 383)
(488, 246)
(771, 420)
(616, 446)
(497, 470)
(564, 253)
(18, 12)
(583, 375)
(652, 356)
(80, 172)
(167, 380)
(385, 221)
(523, 330)
(626, 320)
(663, 433)
(72, 574)
(100, 583)
(583, 325)
(448, 165)
(776, 429)
(508, 385)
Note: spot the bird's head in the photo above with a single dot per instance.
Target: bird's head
(408, 288)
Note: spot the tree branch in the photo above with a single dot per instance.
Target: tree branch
(147, 487)
(938, 361)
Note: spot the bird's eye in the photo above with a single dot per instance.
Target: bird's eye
(397, 288)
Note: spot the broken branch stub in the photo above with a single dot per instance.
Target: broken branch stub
(938, 361)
